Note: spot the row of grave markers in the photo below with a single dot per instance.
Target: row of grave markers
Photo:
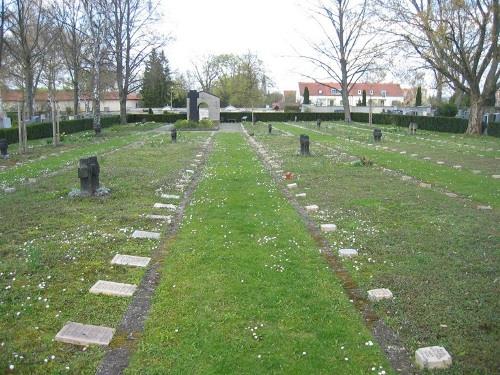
(432, 357)
(87, 334)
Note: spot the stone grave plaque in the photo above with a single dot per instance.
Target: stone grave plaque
(432, 357)
(312, 208)
(130, 260)
(376, 295)
(111, 288)
(328, 227)
(85, 334)
(170, 196)
(146, 235)
(168, 206)
(424, 185)
(451, 195)
(291, 186)
(300, 195)
(348, 253)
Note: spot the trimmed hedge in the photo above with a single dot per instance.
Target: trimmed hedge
(440, 124)
(165, 117)
(44, 129)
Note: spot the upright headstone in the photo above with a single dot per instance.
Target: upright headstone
(377, 135)
(304, 144)
(4, 145)
(270, 128)
(173, 134)
(193, 96)
(318, 123)
(88, 173)
(413, 127)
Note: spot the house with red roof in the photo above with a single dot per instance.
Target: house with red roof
(330, 94)
(109, 101)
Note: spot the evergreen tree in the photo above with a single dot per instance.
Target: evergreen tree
(156, 83)
(306, 95)
(418, 97)
(363, 100)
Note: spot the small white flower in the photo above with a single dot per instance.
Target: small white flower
(11, 367)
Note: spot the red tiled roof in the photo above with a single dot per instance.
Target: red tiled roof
(392, 89)
(61, 96)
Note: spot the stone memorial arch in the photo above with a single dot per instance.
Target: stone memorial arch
(195, 99)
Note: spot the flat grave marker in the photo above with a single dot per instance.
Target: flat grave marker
(85, 334)
(167, 206)
(376, 295)
(348, 253)
(130, 260)
(312, 208)
(146, 235)
(170, 196)
(432, 357)
(328, 227)
(111, 288)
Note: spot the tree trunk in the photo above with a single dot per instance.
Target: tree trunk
(96, 101)
(345, 91)
(475, 116)
(76, 93)
(123, 109)
(28, 92)
(345, 103)
(439, 87)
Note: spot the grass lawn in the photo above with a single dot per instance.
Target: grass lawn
(245, 289)
(54, 248)
(438, 255)
(479, 187)
(44, 158)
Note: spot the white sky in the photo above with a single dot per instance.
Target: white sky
(269, 28)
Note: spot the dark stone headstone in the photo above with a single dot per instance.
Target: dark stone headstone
(304, 144)
(88, 173)
(377, 135)
(318, 123)
(4, 145)
(413, 127)
(173, 134)
(193, 96)
(270, 128)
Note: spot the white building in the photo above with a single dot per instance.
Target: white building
(329, 94)
(109, 101)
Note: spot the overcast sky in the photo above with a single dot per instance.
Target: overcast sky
(269, 28)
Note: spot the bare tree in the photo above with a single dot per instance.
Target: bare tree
(131, 41)
(207, 72)
(70, 18)
(458, 39)
(349, 49)
(27, 24)
(3, 11)
(51, 73)
(98, 25)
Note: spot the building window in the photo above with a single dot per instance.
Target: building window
(371, 92)
(359, 92)
(383, 93)
(320, 92)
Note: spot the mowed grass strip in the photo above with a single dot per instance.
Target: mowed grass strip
(482, 189)
(54, 248)
(46, 158)
(439, 257)
(244, 288)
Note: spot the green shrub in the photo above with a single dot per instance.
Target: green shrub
(165, 117)
(188, 124)
(447, 110)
